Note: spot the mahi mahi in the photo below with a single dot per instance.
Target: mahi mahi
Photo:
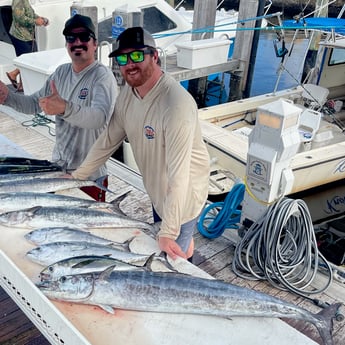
(178, 293)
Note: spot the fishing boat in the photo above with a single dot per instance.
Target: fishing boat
(319, 158)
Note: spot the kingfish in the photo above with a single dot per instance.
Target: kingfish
(67, 234)
(86, 264)
(22, 200)
(75, 217)
(50, 253)
(46, 185)
(178, 293)
(30, 176)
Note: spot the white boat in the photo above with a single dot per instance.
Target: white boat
(167, 25)
(319, 159)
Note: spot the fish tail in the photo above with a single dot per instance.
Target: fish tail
(116, 202)
(99, 183)
(324, 322)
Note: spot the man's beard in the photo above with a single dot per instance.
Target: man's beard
(144, 75)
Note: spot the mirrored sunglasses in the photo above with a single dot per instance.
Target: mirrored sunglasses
(83, 37)
(136, 56)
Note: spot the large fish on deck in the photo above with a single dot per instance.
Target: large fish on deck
(39, 217)
(50, 253)
(48, 185)
(66, 234)
(23, 200)
(178, 293)
(30, 176)
(87, 264)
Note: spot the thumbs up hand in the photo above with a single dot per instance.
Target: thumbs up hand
(52, 104)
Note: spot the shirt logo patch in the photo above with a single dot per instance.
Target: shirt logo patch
(83, 93)
(149, 132)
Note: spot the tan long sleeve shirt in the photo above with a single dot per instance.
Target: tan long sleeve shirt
(164, 132)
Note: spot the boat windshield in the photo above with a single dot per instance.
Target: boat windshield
(154, 21)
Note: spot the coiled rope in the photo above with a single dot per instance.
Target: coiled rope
(281, 247)
(40, 120)
(222, 215)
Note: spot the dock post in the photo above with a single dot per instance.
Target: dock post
(204, 16)
(243, 45)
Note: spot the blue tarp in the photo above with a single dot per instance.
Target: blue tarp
(318, 23)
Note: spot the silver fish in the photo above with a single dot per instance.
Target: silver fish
(75, 217)
(50, 253)
(85, 264)
(22, 200)
(46, 185)
(178, 293)
(67, 234)
(30, 176)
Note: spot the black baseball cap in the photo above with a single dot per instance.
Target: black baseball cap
(135, 37)
(79, 21)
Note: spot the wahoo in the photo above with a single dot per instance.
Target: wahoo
(178, 293)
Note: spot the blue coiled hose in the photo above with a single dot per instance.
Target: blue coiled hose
(223, 215)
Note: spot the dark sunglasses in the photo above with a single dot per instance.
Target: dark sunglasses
(83, 37)
(136, 56)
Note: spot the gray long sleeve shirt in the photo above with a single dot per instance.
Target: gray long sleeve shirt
(90, 96)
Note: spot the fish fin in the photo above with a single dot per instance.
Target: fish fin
(116, 202)
(34, 209)
(99, 183)
(163, 257)
(107, 272)
(107, 308)
(83, 263)
(127, 243)
(148, 263)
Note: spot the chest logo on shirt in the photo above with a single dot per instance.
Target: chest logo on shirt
(83, 93)
(149, 132)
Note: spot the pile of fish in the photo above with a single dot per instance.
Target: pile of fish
(27, 199)
(83, 268)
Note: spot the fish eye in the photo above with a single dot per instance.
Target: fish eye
(50, 269)
(62, 279)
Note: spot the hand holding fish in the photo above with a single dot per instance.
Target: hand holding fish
(53, 104)
(170, 247)
(3, 92)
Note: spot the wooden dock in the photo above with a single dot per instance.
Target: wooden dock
(212, 256)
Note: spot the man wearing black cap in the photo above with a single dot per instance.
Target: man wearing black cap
(81, 94)
(160, 119)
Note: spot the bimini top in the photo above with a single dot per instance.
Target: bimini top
(317, 23)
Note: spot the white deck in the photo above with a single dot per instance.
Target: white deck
(80, 324)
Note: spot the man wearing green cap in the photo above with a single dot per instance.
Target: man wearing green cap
(160, 119)
(81, 94)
